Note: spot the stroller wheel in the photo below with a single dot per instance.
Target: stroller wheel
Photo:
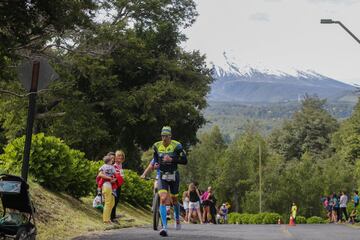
(23, 234)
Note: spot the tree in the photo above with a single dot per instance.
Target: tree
(240, 167)
(123, 79)
(346, 140)
(309, 130)
(204, 159)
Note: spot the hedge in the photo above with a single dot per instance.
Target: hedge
(300, 220)
(315, 220)
(260, 218)
(136, 190)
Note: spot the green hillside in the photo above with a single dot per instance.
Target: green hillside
(59, 216)
(233, 118)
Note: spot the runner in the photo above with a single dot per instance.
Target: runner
(168, 154)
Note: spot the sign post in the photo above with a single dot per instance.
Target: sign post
(41, 74)
(30, 118)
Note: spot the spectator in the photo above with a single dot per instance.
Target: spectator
(186, 201)
(207, 200)
(328, 206)
(194, 201)
(356, 199)
(294, 211)
(107, 173)
(223, 212)
(343, 203)
(353, 214)
(335, 208)
(119, 158)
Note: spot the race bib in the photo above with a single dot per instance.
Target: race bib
(168, 177)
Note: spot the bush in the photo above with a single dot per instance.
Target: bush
(233, 218)
(300, 220)
(52, 164)
(271, 218)
(257, 218)
(136, 190)
(83, 181)
(315, 220)
(244, 218)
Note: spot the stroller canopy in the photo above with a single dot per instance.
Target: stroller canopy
(14, 193)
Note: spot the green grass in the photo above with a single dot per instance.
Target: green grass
(59, 216)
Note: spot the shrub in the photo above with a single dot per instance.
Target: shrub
(245, 218)
(300, 220)
(53, 164)
(315, 220)
(257, 218)
(136, 190)
(50, 162)
(271, 218)
(83, 181)
(233, 218)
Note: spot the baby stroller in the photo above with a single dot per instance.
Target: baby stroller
(18, 220)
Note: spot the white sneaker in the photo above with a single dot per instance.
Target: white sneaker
(177, 225)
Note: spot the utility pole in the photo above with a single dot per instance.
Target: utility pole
(260, 177)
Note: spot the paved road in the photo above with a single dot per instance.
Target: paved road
(242, 232)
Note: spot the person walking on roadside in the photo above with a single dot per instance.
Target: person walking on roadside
(119, 160)
(168, 154)
(343, 204)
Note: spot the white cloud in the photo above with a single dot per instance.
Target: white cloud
(291, 38)
(335, 1)
(262, 17)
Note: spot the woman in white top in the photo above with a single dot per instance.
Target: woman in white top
(186, 205)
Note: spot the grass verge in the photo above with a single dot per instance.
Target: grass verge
(59, 216)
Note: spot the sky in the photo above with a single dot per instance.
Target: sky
(280, 35)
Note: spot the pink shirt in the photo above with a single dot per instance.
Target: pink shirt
(119, 169)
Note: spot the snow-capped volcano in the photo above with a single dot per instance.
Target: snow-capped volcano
(236, 81)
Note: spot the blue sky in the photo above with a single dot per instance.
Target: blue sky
(280, 34)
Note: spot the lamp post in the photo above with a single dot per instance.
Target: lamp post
(330, 21)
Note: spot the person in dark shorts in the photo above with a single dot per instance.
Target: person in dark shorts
(168, 154)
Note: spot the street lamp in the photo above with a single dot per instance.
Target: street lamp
(330, 21)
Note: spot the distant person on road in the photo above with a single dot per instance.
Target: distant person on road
(168, 154)
(343, 204)
(294, 210)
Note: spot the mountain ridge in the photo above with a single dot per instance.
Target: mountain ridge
(245, 83)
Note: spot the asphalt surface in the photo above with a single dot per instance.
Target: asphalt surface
(242, 232)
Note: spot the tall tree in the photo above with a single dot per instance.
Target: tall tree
(124, 78)
(309, 130)
(347, 140)
(205, 159)
(239, 170)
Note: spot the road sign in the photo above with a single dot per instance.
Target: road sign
(46, 74)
